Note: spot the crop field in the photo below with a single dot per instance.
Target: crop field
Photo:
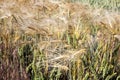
(59, 39)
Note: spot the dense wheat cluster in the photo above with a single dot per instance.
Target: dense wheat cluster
(59, 40)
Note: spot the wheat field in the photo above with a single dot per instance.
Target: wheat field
(59, 39)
